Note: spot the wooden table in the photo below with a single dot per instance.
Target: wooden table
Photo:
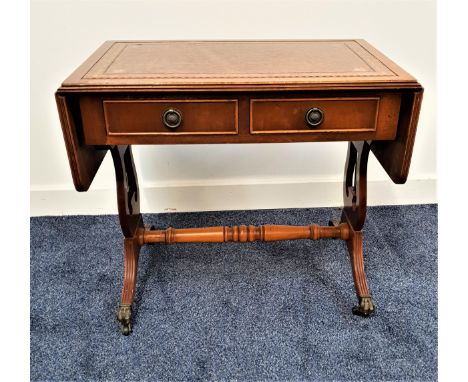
(189, 92)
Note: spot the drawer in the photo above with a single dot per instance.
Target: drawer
(377, 116)
(170, 117)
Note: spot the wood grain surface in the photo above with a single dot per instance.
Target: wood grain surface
(84, 160)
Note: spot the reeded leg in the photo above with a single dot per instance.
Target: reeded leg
(366, 306)
(124, 314)
(131, 223)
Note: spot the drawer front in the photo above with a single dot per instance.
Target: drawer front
(377, 116)
(150, 117)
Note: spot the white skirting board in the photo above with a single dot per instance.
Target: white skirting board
(228, 197)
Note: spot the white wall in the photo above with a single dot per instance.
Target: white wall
(65, 32)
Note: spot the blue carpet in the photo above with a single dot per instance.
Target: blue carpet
(235, 311)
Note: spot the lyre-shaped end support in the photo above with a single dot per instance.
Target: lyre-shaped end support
(131, 222)
(355, 184)
(354, 213)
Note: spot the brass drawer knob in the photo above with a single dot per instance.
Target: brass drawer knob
(314, 117)
(172, 118)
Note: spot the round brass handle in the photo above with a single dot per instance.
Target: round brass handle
(314, 116)
(172, 118)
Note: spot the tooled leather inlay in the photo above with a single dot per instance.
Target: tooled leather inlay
(234, 59)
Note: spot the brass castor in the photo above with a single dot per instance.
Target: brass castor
(126, 330)
(365, 308)
(124, 316)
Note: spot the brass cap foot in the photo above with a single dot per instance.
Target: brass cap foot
(365, 308)
(124, 316)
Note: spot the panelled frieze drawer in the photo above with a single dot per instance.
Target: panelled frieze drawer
(376, 115)
(168, 117)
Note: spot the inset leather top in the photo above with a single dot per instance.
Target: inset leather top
(245, 65)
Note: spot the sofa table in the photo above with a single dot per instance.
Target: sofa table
(217, 92)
